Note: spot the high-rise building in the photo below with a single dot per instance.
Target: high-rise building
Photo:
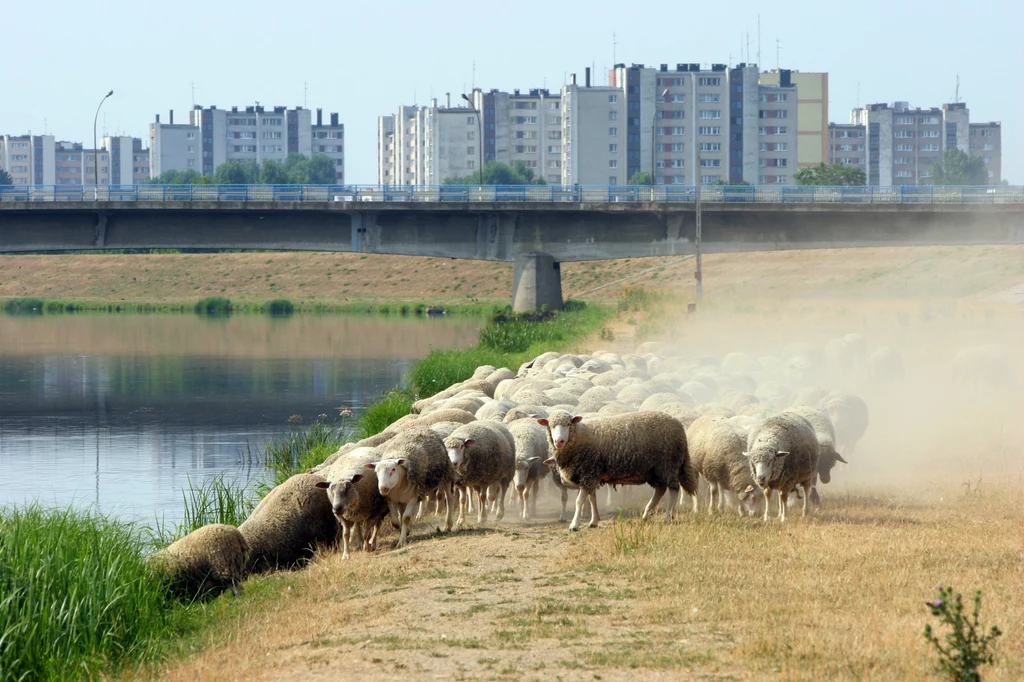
(29, 159)
(425, 145)
(523, 128)
(986, 141)
(215, 136)
(812, 113)
(76, 165)
(129, 162)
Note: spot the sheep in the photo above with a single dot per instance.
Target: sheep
(698, 391)
(716, 409)
(716, 450)
(205, 562)
(825, 432)
(287, 524)
(659, 348)
(849, 415)
(413, 464)
(462, 402)
(739, 362)
(633, 395)
(371, 442)
(685, 414)
(985, 366)
(525, 412)
(631, 449)
(613, 409)
(575, 385)
(482, 455)
(593, 399)
(531, 452)
(355, 500)
(495, 411)
(782, 453)
(657, 400)
(562, 396)
(885, 364)
(808, 396)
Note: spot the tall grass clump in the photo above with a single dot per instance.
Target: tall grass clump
(301, 448)
(213, 305)
(279, 307)
(442, 368)
(24, 306)
(384, 411)
(76, 595)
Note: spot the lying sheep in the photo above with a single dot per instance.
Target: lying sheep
(287, 525)
(355, 500)
(849, 415)
(413, 464)
(716, 449)
(631, 449)
(205, 562)
(782, 453)
(482, 455)
(531, 451)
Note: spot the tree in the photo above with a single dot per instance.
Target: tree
(495, 173)
(273, 173)
(321, 171)
(237, 173)
(833, 175)
(5, 178)
(640, 178)
(957, 168)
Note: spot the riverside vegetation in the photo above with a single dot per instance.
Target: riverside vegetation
(76, 594)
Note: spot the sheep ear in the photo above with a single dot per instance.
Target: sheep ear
(746, 454)
(468, 442)
(532, 460)
(542, 422)
(322, 484)
(550, 461)
(357, 478)
(839, 458)
(749, 489)
(781, 453)
(400, 461)
(577, 419)
(370, 466)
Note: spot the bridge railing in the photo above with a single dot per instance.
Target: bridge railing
(630, 194)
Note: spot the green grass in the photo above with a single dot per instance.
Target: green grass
(279, 306)
(384, 411)
(213, 305)
(77, 596)
(216, 500)
(24, 306)
(301, 448)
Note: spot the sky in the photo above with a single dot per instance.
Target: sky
(365, 59)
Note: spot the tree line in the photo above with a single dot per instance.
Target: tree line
(296, 169)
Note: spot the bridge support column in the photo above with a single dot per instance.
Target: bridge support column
(537, 284)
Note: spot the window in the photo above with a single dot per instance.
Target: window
(846, 147)
(904, 120)
(470, 134)
(904, 133)
(523, 119)
(709, 81)
(471, 150)
(659, 163)
(191, 163)
(677, 99)
(773, 113)
(525, 105)
(763, 147)
(191, 149)
(904, 174)
(708, 97)
(677, 130)
(272, 148)
(930, 120)
(554, 163)
(926, 174)
(710, 179)
(613, 116)
(554, 120)
(613, 163)
(671, 114)
(613, 179)
(774, 97)
(903, 161)
(988, 146)
(633, 122)
(676, 163)
(19, 169)
(613, 148)
(709, 130)
(613, 132)
(710, 163)
(272, 135)
(19, 157)
(710, 146)
(554, 149)
(677, 147)
(22, 145)
(556, 105)
(987, 133)
(710, 113)
(930, 147)
(554, 134)
(670, 81)
(987, 159)
(272, 121)
(903, 147)
(470, 121)
(929, 133)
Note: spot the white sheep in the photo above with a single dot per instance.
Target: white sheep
(205, 562)
(355, 499)
(531, 451)
(716, 449)
(782, 453)
(849, 415)
(482, 455)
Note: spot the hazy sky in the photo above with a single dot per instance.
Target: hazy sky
(364, 59)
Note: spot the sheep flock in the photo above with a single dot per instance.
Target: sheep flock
(731, 434)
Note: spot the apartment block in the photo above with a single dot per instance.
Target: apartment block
(903, 143)
(986, 140)
(76, 165)
(29, 159)
(812, 113)
(215, 136)
(425, 145)
(523, 127)
(594, 135)
(847, 145)
(129, 162)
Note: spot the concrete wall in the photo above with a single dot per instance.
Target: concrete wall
(812, 115)
(171, 147)
(590, 113)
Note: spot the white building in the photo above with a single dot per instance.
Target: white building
(426, 145)
(29, 159)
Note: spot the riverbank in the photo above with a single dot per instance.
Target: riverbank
(352, 281)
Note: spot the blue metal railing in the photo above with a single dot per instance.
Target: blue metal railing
(751, 194)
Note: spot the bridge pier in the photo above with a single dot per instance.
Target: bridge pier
(537, 284)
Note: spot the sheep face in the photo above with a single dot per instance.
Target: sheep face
(765, 465)
(522, 473)
(341, 493)
(560, 427)
(391, 474)
(826, 461)
(457, 451)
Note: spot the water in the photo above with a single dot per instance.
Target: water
(119, 412)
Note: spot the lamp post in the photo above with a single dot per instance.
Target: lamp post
(654, 130)
(95, 150)
(699, 274)
(480, 136)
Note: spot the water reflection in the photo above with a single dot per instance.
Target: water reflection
(120, 411)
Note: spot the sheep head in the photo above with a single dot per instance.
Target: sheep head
(561, 427)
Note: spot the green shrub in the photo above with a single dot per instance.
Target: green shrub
(967, 647)
(573, 305)
(384, 411)
(299, 449)
(213, 305)
(76, 596)
(24, 306)
(279, 306)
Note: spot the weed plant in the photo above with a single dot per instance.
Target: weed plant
(384, 411)
(299, 449)
(280, 307)
(213, 305)
(967, 646)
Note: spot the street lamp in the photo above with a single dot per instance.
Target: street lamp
(480, 134)
(95, 150)
(699, 274)
(654, 129)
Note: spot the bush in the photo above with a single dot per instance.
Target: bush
(24, 306)
(213, 305)
(636, 299)
(76, 595)
(967, 647)
(279, 306)
(573, 305)
(384, 411)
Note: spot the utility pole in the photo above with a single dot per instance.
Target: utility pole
(699, 274)
(95, 151)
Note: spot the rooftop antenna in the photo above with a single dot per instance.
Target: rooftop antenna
(758, 40)
(956, 95)
(778, 46)
(748, 46)
(45, 127)
(305, 94)
(614, 46)
(474, 74)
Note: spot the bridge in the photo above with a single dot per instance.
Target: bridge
(534, 226)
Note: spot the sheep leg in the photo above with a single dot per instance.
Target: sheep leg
(712, 490)
(346, 536)
(501, 503)
(767, 503)
(575, 524)
(808, 491)
(523, 495)
(594, 517)
(407, 516)
(655, 499)
(535, 486)
(783, 497)
(357, 530)
(673, 500)
(462, 494)
(565, 500)
(481, 516)
(370, 541)
(449, 505)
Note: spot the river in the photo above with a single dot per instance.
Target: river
(120, 412)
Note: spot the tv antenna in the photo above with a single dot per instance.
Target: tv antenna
(614, 54)
(305, 94)
(778, 47)
(956, 94)
(759, 40)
